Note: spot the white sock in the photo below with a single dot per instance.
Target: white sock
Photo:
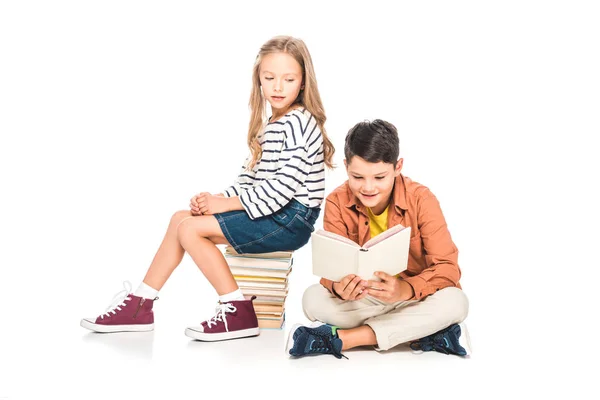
(237, 295)
(146, 292)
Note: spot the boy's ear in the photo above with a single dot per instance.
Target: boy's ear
(345, 164)
(399, 166)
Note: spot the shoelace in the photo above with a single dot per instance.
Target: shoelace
(221, 309)
(435, 342)
(325, 342)
(118, 300)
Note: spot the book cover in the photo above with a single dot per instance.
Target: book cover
(261, 285)
(264, 299)
(271, 323)
(251, 278)
(269, 301)
(268, 308)
(264, 292)
(284, 255)
(272, 315)
(259, 272)
(335, 256)
(262, 263)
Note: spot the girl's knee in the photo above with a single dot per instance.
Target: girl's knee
(186, 230)
(180, 216)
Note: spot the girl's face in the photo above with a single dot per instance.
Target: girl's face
(372, 183)
(281, 81)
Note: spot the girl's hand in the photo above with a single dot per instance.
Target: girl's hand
(209, 204)
(390, 289)
(195, 207)
(351, 287)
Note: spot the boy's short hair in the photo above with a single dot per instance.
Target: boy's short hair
(374, 142)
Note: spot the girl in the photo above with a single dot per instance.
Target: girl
(272, 206)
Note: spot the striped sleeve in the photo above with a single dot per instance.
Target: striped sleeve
(244, 178)
(273, 193)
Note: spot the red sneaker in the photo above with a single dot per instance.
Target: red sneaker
(127, 313)
(233, 320)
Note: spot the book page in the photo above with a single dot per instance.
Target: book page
(335, 236)
(276, 254)
(384, 235)
(389, 256)
(243, 262)
(333, 259)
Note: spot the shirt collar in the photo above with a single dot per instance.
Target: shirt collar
(398, 196)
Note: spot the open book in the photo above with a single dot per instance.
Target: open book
(335, 256)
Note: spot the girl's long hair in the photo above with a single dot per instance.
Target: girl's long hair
(308, 97)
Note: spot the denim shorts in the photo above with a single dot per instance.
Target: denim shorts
(287, 229)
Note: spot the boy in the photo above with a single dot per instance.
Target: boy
(426, 299)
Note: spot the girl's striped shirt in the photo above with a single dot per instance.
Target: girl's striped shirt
(291, 167)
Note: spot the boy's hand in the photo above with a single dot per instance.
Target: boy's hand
(351, 287)
(390, 289)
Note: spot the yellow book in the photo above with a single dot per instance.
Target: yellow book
(269, 273)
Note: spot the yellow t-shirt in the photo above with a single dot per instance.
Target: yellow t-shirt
(378, 223)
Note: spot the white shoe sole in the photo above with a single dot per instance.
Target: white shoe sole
(290, 342)
(465, 340)
(88, 324)
(215, 337)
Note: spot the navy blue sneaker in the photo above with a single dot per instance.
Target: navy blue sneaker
(316, 339)
(451, 340)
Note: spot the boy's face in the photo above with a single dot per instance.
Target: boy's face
(372, 183)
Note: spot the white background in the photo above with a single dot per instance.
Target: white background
(113, 114)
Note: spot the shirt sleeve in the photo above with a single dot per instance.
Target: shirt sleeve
(244, 178)
(272, 194)
(332, 220)
(441, 255)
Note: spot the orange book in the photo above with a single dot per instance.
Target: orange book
(271, 323)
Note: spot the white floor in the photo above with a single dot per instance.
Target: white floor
(48, 355)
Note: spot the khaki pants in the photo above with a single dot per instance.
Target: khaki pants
(392, 323)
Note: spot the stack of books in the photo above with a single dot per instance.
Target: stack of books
(265, 276)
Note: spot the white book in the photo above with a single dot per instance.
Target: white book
(261, 285)
(335, 256)
(262, 263)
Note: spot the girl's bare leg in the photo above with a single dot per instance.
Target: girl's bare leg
(199, 237)
(169, 254)
(201, 234)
